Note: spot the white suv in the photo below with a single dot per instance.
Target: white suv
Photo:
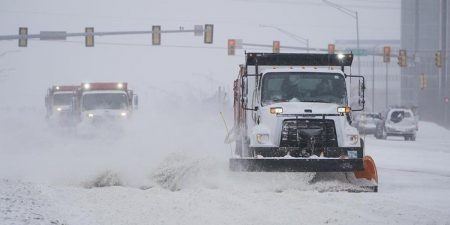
(398, 122)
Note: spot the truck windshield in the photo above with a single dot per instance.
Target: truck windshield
(303, 87)
(62, 99)
(93, 101)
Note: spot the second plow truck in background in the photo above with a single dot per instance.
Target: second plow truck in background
(292, 114)
(58, 103)
(99, 104)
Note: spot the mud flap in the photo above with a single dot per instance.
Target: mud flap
(295, 165)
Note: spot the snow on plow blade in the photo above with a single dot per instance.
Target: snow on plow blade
(295, 165)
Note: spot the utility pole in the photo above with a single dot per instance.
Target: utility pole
(445, 80)
(373, 81)
(387, 92)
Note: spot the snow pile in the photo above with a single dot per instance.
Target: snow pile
(105, 179)
(181, 170)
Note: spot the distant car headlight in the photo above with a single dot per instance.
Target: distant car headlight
(123, 114)
(262, 138)
(90, 115)
(59, 109)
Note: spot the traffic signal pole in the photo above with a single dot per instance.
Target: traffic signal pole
(198, 30)
(387, 105)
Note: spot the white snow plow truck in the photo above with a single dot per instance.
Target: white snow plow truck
(58, 103)
(102, 103)
(292, 114)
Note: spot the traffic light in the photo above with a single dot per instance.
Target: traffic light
(156, 35)
(386, 54)
(231, 46)
(276, 47)
(89, 36)
(402, 62)
(209, 30)
(438, 58)
(423, 81)
(23, 40)
(331, 48)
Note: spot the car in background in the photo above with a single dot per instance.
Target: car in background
(366, 122)
(398, 122)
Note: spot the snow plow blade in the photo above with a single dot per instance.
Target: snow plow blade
(295, 165)
(370, 171)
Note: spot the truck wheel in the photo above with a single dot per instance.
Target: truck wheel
(413, 137)
(406, 137)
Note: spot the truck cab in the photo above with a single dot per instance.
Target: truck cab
(296, 113)
(101, 103)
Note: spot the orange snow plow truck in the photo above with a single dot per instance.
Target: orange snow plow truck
(292, 114)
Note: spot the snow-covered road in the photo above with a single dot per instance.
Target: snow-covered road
(49, 177)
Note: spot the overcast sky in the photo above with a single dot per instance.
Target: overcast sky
(182, 58)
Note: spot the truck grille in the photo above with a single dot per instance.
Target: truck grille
(300, 132)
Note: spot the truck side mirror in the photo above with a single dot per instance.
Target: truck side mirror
(361, 89)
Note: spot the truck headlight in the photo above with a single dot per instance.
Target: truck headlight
(345, 109)
(90, 115)
(58, 109)
(123, 114)
(353, 139)
(276, 110)
(262, 138)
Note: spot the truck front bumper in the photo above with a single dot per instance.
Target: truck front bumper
(296, 164)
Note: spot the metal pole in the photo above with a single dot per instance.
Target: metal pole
(445, 54)
(373, 82)
(357, 43)
(353, 14)
(386, 87)
(82, 34)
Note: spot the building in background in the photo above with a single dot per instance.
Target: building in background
(425, 81)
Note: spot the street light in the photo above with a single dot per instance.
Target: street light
(294, 36)
(353, 14)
